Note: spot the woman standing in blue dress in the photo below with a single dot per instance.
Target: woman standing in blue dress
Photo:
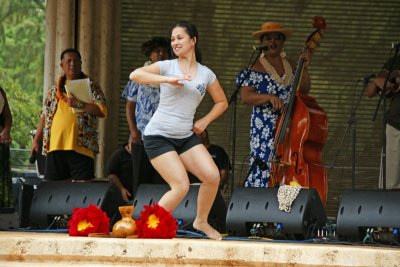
(267, 89)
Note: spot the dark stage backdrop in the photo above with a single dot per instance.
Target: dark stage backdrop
(357, 42)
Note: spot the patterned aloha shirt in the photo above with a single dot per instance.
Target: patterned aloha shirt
(87, 123)
(147, 98)
(262, 126)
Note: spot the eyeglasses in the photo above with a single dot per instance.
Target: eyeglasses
(274, 36)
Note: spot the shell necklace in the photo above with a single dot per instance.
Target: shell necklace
(287, 77)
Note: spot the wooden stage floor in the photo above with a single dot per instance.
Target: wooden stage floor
(59, 249)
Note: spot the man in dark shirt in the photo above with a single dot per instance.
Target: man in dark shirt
(393, 120)
(119, 170)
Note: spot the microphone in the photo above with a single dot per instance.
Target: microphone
(32, 158)
(260, 48)
(367, 77)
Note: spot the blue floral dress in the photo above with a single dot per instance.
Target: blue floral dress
(262, 127)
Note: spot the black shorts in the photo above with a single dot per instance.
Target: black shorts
(156, 145)
(68, 165)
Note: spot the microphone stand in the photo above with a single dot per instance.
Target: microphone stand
(352, 122)
(352, 125)
(233, 103)
(384, 121)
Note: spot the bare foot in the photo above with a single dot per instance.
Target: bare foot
(207, 229)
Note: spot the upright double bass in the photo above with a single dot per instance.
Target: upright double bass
(301, 133)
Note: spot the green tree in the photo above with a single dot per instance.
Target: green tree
(22, 41)
(25, 110)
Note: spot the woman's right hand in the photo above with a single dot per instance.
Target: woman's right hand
(276, 102)
(177, 81)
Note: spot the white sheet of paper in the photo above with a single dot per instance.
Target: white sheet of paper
(81, 90)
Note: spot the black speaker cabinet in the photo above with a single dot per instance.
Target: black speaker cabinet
(363, 212)
(185, 213)
(25, 196)
(255, 211)
(53, 202)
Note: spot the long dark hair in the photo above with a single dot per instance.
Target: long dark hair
(192, 31)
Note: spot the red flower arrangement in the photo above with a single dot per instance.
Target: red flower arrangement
(88, 220)
(156, 222)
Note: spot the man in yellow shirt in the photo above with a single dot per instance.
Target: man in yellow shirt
(68, 125)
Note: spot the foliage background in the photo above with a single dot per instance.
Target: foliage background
(22, 42)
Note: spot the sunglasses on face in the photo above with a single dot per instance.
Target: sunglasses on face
(274, 36)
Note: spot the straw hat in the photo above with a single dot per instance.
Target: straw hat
(271, 26)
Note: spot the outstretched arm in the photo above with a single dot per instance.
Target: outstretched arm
(151, 75)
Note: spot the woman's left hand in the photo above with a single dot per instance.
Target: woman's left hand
(307, 58)
(199, 126)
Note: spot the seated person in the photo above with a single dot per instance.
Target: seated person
(119, 170)
(220, 158)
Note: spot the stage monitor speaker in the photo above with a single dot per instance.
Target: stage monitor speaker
(372, 213)
(24, 200)
(185, 213)
(255, 211)
(53, 202)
